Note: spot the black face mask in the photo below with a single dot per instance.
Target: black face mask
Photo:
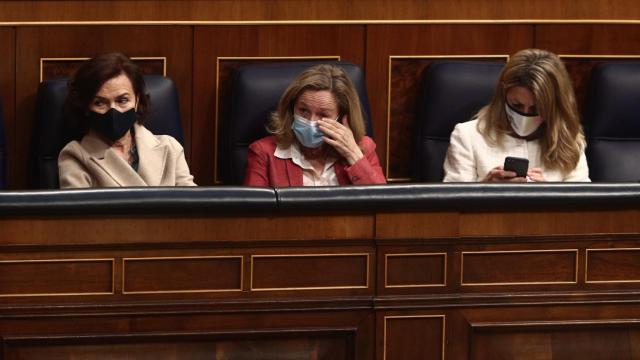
(113, 124)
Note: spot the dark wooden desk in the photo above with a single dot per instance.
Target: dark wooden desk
(436, 279)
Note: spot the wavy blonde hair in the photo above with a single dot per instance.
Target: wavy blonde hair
(327, 77)
(544, 74)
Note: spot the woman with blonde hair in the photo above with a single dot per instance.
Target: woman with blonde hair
(532, 115)
(317, 136)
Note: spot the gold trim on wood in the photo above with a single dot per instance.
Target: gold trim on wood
(394, 57)
(252, 288)
(598, 56)
(586, 267)
(111, 260)
(462, 283)
(542, 324)
(384, 344)
(386, 270)
(327, 22)
(216, 120)
(163, 58)
(124, 260)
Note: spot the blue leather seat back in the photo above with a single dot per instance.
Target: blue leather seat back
(611, 124)
(256, 90)
(51, 133)
(451, 92)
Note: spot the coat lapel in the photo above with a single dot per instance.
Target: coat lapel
(341, 172)
(110, 163)
(294, 173)
(118, 169)
(152, 155)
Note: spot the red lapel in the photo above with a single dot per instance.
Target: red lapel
(294, 173)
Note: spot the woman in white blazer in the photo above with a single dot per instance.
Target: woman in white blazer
(107, 105)
(532, 115)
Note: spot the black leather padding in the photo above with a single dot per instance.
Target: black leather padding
(256, 90)
(457, 197)
(451, 92)
(612, 125)
(3, 152)
(51, 134)
(244, 201)
(141, 200)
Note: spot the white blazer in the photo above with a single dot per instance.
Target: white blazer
(470, 158)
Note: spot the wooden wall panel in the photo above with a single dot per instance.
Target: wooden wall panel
(54, 68)
(583, 46)
(556, 340)
(411, 270)
(310, 271)
(612, 265)
(247, 10)
(305, 345)
(34, 43)
(212, 43)
(413, 337)
(56, 277)
(192, 228)
(394, 138)
(531, 267)
(182, 274)
(580, 39)
(7, 89)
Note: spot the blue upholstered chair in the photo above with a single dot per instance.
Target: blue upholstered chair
(451, 92)
(51, 134)
(611, 123)
(256, 90)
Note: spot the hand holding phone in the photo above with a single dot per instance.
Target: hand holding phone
(518, 165)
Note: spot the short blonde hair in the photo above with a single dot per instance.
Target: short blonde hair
(544, 74)
(327, 77)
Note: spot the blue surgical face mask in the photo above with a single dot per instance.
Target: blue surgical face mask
(307, 132)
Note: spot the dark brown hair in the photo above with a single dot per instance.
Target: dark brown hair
(88, 80)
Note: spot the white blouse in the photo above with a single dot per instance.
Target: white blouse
(470, 158)
(310, 177)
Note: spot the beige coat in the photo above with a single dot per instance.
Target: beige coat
(93, 163)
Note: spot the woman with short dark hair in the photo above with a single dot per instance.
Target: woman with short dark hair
(106, 106)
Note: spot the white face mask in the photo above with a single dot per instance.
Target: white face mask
(523, 125)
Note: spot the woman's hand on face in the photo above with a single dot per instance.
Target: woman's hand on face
(535, 174)
(340, 137)
(498, 174)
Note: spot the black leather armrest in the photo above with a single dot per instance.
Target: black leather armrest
(251, 200)
(461, 197)
(149, 200)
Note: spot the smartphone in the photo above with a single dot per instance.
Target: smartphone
(516, 164)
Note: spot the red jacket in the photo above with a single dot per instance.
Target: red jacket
(264, 169)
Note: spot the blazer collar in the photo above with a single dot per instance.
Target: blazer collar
(150, 151)
(152, 154)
